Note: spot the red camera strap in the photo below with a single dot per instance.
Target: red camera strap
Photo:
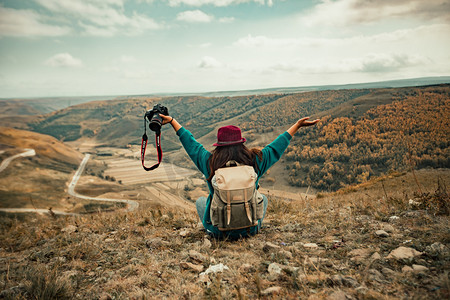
(158, 148)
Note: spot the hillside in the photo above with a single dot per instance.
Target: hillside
(374, 125)
(374, 241)
(413, 131)
(27, 182)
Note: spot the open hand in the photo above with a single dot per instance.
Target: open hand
(303, 122)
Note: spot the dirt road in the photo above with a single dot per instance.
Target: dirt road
(131, 205)
(7, 161)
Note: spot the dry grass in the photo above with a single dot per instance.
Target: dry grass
(144, 255)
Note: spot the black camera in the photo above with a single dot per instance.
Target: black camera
(154, 118)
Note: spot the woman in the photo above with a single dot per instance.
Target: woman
(230, 146)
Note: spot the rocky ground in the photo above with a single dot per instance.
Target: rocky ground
(348, 245)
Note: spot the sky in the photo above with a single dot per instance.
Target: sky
(131, 47)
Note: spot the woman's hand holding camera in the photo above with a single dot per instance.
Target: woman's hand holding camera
(168, 119)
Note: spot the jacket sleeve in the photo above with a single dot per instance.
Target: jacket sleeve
(273, 152)
(198, 154)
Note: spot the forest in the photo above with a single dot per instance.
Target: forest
(411, 132)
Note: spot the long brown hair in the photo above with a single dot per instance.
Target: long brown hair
(239, 152)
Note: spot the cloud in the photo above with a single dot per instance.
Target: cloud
(194, 16)
(370, 63)
(208, 62)
(351, 12)
(18, 22)
(262, 41)
(63, 60)
(226, 20)
(100, 18)
(382, 62)
(219, 3)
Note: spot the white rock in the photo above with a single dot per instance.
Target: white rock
(311, 245)
(215, 269)
(375, 256)
(69, 229)
(270, 247)
(403, 253)
(274, 269)
(393, 218)
(207, 243)
(419, 268)
(381, 233)
(272, 290)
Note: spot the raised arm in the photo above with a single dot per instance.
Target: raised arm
(303, 122)
(198, 154)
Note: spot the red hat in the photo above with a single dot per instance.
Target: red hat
(229, 135)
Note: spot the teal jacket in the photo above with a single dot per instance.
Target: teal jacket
(200, 156)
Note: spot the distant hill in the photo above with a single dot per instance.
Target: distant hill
(50, 104)
(355, 141)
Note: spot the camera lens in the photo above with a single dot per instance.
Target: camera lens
(155, 123)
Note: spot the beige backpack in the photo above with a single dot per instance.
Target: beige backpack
(236, 203)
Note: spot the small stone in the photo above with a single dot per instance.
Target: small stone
(311, 245)
(381, 233)
(196, 256)
(268, 247)
(404, 253)
(407, 269)
(337, 295)
(109, 240)
(274, 269)
(359, 255)
(375, 256)
(183, 232)
(69, 229)
(274, 290)
(436, 249)
(207, 243)
(393, 218)
(419, 268)
(165, 218)
(388, 228)
(215, 269)
(192, 267)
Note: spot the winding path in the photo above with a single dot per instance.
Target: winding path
(131, 205)
(5, 162)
